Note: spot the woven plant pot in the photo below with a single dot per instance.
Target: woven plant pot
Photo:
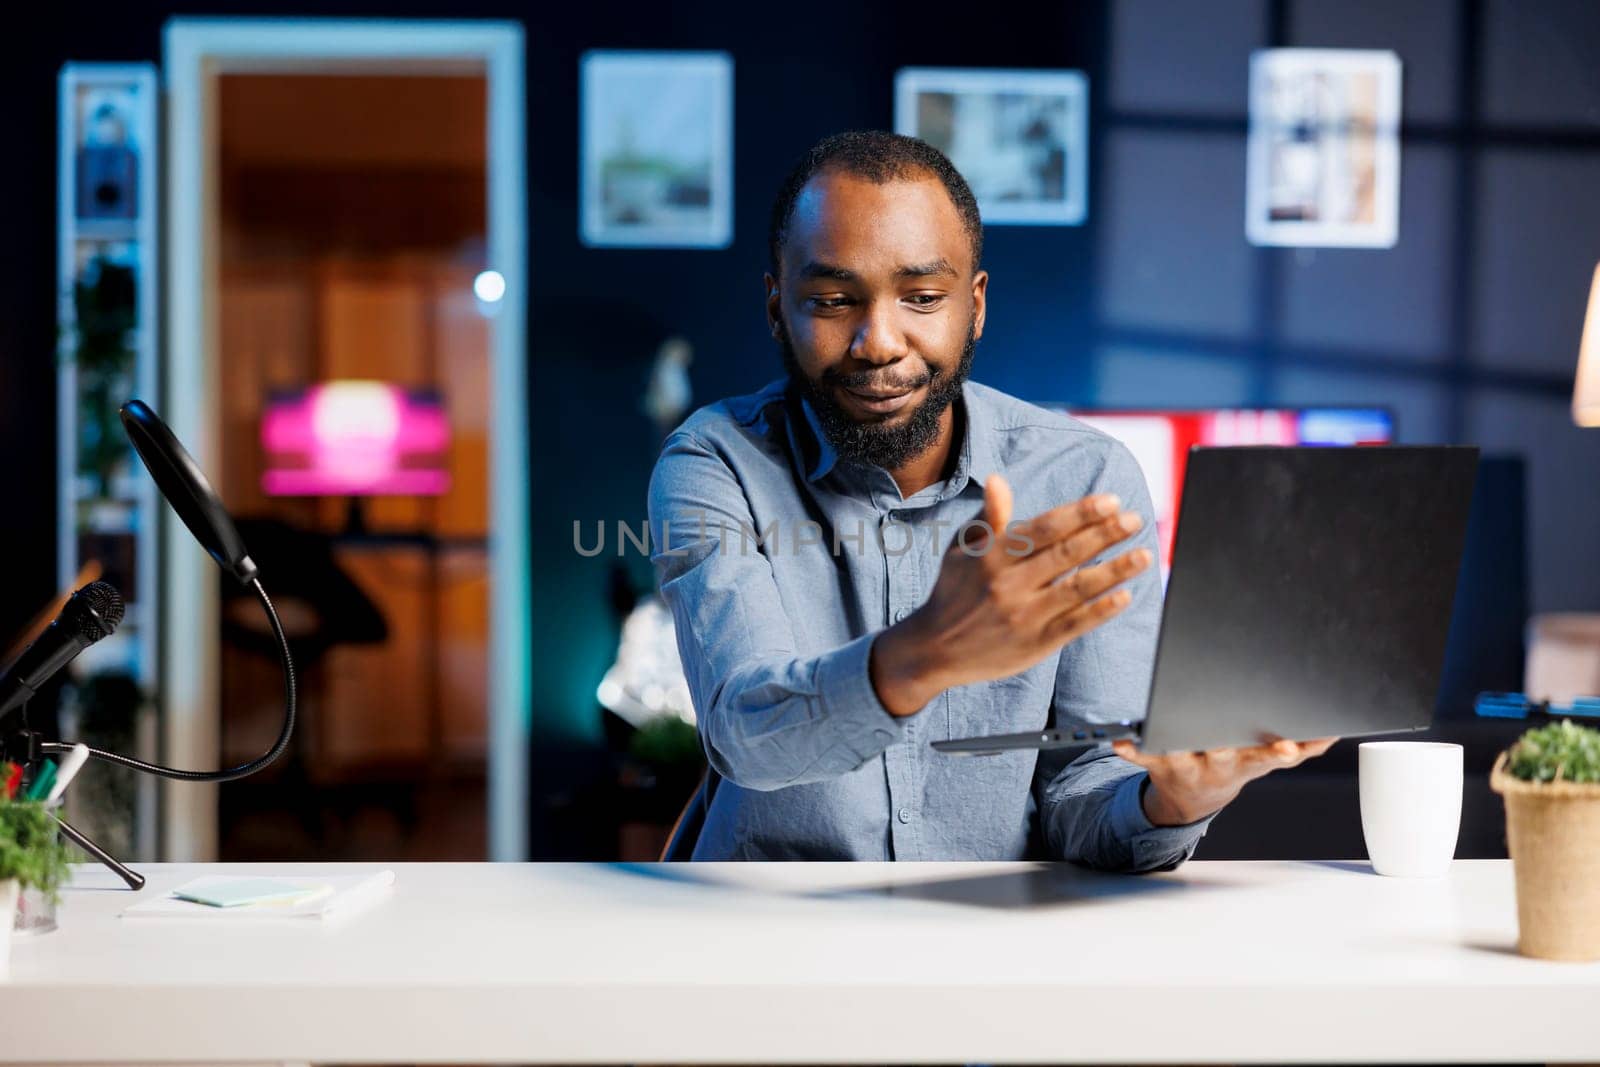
(1553, 830)
(9, 891)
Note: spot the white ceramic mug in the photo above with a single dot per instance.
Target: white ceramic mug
(1410, 806)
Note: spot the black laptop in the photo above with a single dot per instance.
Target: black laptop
(1310, 596)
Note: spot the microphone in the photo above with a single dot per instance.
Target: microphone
(93, 612)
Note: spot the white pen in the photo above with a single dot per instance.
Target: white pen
(70, 766)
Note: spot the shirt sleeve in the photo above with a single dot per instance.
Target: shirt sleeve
(1091, 808)
(768, 717)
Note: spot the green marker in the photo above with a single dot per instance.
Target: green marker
(40, 787)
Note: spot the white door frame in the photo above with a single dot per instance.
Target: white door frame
(195, 51)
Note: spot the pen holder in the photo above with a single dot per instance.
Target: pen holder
(36, 911)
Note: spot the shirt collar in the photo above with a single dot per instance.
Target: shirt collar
(826, 456)
(976, 460)
(979, 449)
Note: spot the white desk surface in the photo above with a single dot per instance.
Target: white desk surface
(474, 963)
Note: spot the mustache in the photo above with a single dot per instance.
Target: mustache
(875, 381)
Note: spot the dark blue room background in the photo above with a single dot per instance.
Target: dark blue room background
(1468, 329)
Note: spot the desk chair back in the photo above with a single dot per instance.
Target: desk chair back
(686, 831)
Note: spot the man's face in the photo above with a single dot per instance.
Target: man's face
(878, 310)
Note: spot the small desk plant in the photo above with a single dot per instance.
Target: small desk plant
(32, 853)
(1550, 780)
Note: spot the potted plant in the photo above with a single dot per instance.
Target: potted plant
(1551, 783)
(32, 856)
(660, 772)
(105, 313)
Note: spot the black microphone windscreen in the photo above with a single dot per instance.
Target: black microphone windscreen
(186, 489)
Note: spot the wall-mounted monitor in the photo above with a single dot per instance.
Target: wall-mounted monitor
(1160, 441)
(355, 438)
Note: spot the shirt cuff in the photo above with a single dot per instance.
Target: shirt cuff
(844, 683)
(1151, 846)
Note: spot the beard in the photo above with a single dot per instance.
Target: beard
(873, 441)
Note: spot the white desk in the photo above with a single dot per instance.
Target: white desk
(1222, 962)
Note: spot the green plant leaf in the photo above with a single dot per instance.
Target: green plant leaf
(1561, 751)
(31, 848)
(665, 741)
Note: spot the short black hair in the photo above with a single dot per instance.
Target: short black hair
(880, 157)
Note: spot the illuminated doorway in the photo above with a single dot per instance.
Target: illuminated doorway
(274, 290)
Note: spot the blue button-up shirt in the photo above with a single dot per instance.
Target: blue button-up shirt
(781, 562)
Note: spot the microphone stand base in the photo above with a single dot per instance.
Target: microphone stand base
(133, 878)
(23, 746)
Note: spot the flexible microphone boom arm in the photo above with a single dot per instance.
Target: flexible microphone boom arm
(188, 492)
(186, 489)
(231, 773)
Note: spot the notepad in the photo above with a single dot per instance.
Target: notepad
(220, 891)
(233, 897)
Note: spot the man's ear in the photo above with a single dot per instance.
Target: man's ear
(980, 302)
(774, 310)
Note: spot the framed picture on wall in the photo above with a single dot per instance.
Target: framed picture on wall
(1019, 137)
(1324, 148)
(656, 144)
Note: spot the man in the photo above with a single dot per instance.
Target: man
(837, 605)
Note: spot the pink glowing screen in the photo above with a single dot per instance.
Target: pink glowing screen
(1160, 442)
(355, 438)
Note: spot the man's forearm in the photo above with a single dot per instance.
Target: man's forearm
(1094, 813)
(903, 669)
(1163, 810)
(788, 721)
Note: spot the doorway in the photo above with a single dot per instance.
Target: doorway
(347, 244)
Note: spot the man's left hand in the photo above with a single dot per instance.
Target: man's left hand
(1188, 786)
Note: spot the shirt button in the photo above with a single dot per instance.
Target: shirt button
(901, 613)
(905, 814)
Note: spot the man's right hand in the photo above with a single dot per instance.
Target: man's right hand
(998, 606)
